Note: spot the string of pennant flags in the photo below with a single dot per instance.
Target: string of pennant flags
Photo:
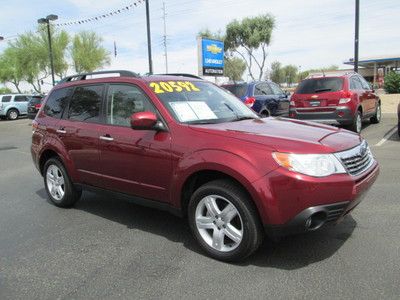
(102, 16)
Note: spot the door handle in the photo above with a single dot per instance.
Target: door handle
(107, 138)
(61, 130)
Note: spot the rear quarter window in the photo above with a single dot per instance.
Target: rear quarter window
(320, 85)
(57, 102)
(239, 90)
(5, 99)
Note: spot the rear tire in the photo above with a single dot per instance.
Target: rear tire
(59, 188)
(12, 114)
(357, 123)
(222, 217)
(265, 114)
(378, 115)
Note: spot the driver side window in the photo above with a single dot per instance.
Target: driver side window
(123, 100)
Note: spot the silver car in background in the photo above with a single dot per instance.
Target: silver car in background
(14, 105)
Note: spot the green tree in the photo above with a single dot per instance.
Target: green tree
(87, 52)
(234, 68)
(302, 75)
(249, 36)
(392, 83)
(5, 90)
(10, 70)
(277, 75)
(290, 73)
(59, 42)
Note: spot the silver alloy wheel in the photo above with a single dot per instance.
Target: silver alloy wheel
(55, 182)
(378, 113)
(13, 115)
(358, 123)
(219, 223)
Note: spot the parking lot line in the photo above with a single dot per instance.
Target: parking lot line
(386, 137)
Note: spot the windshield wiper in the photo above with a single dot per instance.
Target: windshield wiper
(322, 90)
(241, 118)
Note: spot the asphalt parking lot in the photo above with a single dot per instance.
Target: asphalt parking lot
(109, 248)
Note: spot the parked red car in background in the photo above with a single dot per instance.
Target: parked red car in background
(185, 145)
(345, 100)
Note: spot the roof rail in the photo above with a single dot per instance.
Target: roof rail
(82, 76)
(181, 74)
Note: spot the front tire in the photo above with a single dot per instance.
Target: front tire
(59, 187)
(224, 221)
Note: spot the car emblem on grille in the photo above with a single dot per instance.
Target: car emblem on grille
(314, 96)
(363, 149)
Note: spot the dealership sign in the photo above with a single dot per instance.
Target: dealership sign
(211, 57)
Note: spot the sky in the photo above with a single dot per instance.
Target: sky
(308, 33)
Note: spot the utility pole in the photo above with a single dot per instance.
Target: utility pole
(357, 25)
(165, 38)
(149, 37)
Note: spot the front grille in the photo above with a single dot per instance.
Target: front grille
(335, 211)
(356, 160)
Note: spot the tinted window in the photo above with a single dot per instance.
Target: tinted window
(262, 89)
(355, 83)
(85, 103)
(20, 99)
(239, 90)
(56, 103)
(6, 99)
(123, 101)
(364, 83)
(320, 85)
(35, 100)
(276, 89)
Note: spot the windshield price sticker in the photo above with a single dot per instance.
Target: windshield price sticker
(192, 110)
(173, 87)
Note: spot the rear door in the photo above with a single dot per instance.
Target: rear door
(265, 99)
(21, 103)
(136, 162)
(356, 87)
(78, 130)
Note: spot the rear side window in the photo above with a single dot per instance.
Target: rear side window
(6, 99)
(20, 99)
(239, 90)
(85, 103)
(262, 89)
(320, 85)
(57, 102)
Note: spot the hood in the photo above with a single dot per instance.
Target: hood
(285, 135)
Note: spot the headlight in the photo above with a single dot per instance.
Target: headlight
(317, 165)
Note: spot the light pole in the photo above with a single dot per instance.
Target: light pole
(357, 27)
(47, 22)
(149, 37)
(1, 38)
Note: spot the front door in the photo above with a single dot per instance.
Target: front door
(135, 162)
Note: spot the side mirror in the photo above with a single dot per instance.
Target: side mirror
(145, 120)
(287, 93)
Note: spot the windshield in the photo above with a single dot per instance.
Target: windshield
(320, 85)
(200, 102)
(239, 90)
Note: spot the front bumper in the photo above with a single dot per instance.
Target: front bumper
(340, 115)
(295, 203)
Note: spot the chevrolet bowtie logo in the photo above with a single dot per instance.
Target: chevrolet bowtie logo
(214, 49)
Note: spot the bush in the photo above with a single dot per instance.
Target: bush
(392, 83)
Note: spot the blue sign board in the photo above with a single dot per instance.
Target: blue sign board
(212, 57)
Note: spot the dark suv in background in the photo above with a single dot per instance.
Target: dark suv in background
(264, 97)
(345, 100)
(34, 104)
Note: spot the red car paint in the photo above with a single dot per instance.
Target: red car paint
(168, 159)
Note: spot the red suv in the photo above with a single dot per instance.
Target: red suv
(338, 100)
(185, 145)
